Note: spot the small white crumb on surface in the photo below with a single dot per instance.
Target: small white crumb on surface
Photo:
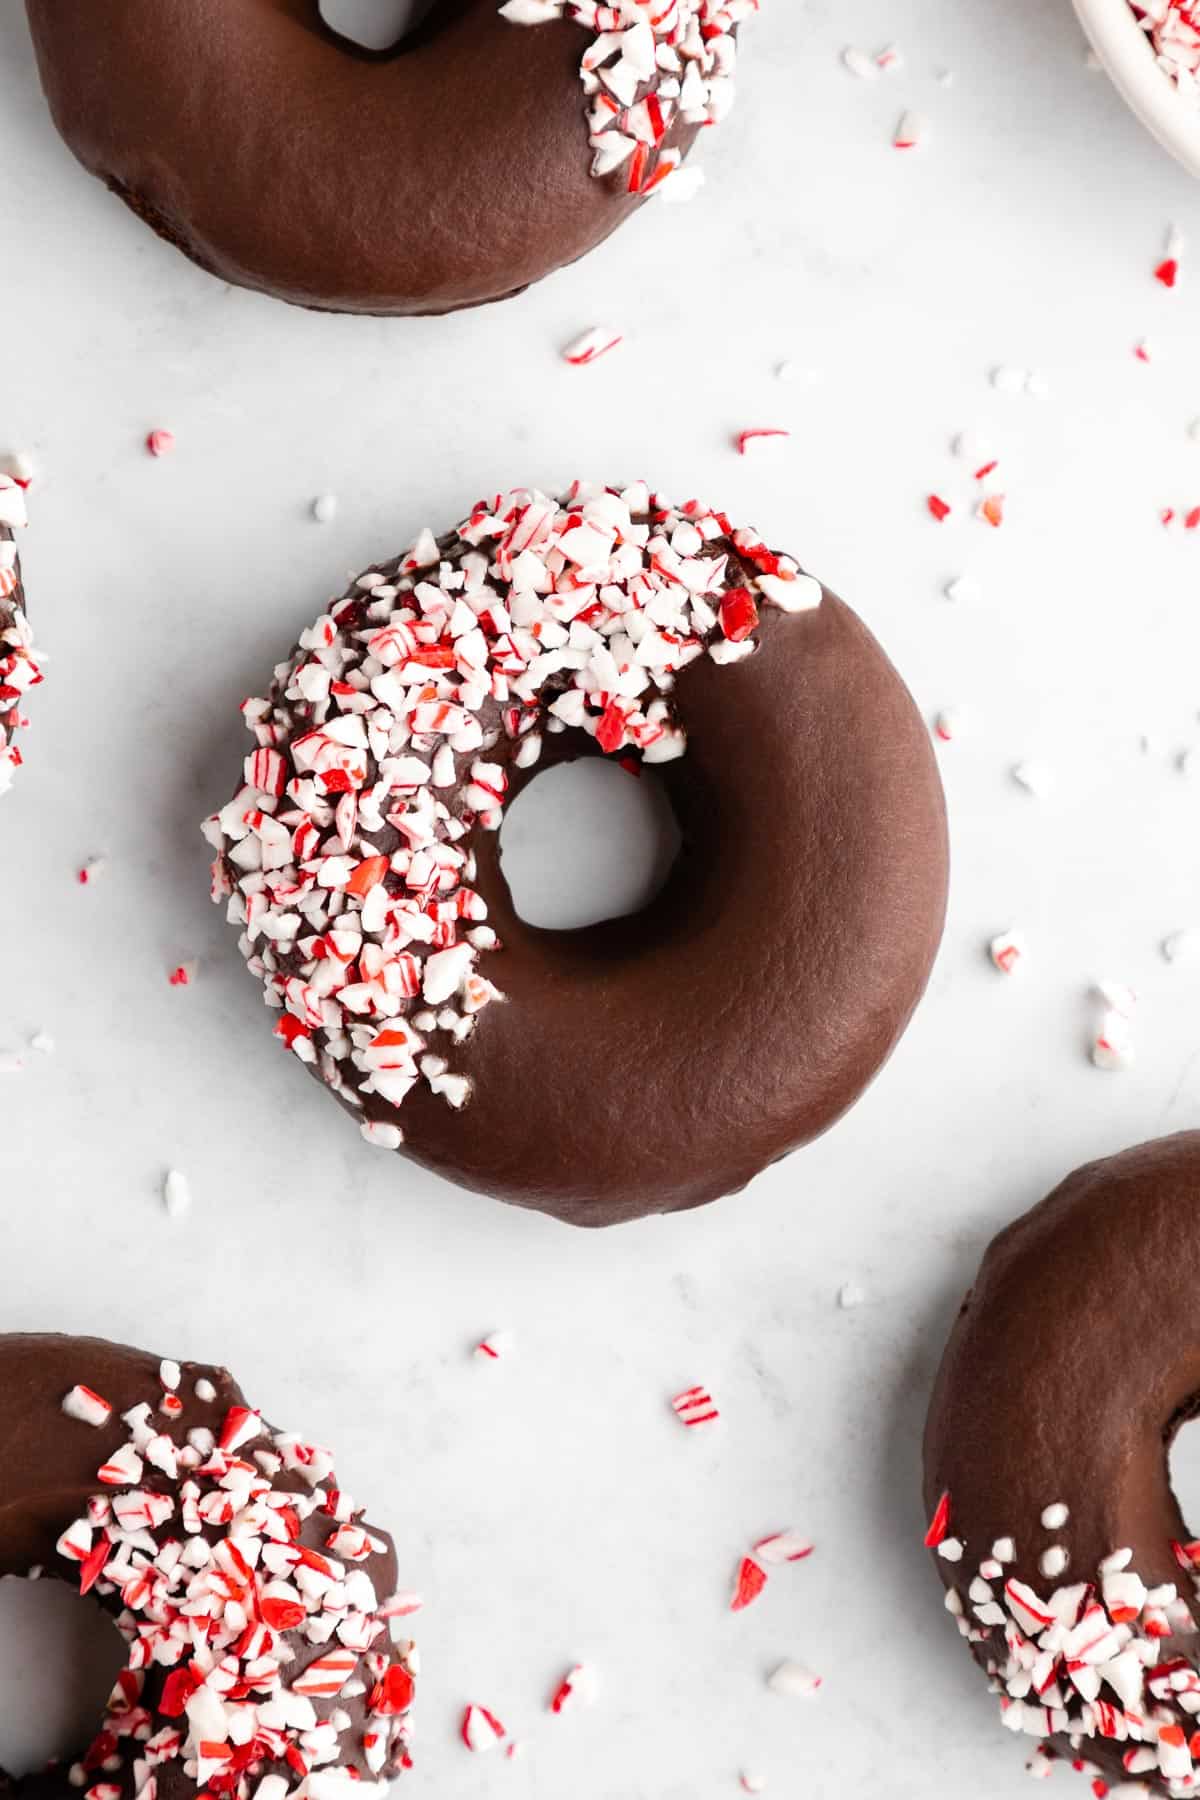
(176, 1194)
(850, 1295)
(793, 1681)
(1034, 777)
(324, 508)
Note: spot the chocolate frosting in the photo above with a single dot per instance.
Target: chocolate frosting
(450, 171)
(1069, 1370)
(49, 1472)
(658, 1062)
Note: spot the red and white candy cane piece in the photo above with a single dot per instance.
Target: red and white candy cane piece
(783, 1547)
(160, 443)
(748, 1584)
(241, 1425)
(939, 1525)
(578, 1686)
(752, 1783)
(793, 1681)
(1008, 951)
(909, 132)
(591, 345)
(82, 1404)
(494, 1347)
(328, 1675)
(482, 1730)
(695, 1406)
(762, 438)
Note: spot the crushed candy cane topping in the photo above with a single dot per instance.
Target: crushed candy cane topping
(649, 64)
(261, 1660)
(19, 669)
(387, 739)
(1085, 1662)
(1173, 27)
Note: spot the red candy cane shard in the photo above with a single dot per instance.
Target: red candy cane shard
(1167, 272)
(939, 508)
(160, 443)
(749, 1584)
(494, 1347)
(481, 1730)
(82, 1404)
(939, 1525)
(695, 1407)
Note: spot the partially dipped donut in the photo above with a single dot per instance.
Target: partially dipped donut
(266, 1651)
(1066, 1559)
(456, 169)
(19, 670)
(644, 1064)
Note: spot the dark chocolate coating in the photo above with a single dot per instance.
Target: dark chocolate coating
(655, 1063)
(450, 171)
(48, 1472)
(1070, 1369)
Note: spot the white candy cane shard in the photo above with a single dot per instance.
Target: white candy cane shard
(177, 1194)
(695, 1406)
(851, 1295)
(1118, 997)
(860, 63)
(1034, 777)
(1113, 1048)
(783, 1547)
(592, 345)
(482, 1730)
(1182, 946)
(949, 723)
(82, 1404)
(752, 1783)
(324, 509)
(962, 590)
(793, 1681)
(1008, 951)
(909, 132)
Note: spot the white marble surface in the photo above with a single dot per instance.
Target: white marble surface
(551, 1509)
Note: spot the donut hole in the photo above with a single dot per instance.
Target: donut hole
(587, 841)
(1184, 1464)
(378, 24)
(60, 1656)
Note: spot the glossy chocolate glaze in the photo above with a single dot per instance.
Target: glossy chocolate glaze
(654, 1063)
(1069, 1370)
(48, 1472)
(450, 171)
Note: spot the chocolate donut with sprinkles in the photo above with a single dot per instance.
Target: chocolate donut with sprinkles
(19, 670)
(459, 167)
(267, 1649)
(1068, 1567)
(643, 1064)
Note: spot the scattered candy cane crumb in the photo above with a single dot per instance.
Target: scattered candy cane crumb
(910, 132)
(793, 1681)
(496, 1345)
(176, 1194)
(1034, 777)
(752, 1784)
(1008, 380)
(20, 466)
(1167, 271)
(939, 508)
(851, 1295)
(948, 724)
(1182, 946)
(42, 1043)
(591, 345)
(324, 509)
(11, 1062)
(889, 59)
(1112, 1047)
(160, 443)
(991, 511)
(94, 866)
(783, 1547)
(683, 186)
(763, 438)
(860, 63)
(695, 1407)
(578, 1687)
(182, 975)
(481, 1730)
(1143, 350)
(748, 1584)
(962, 590)
(1008, 951)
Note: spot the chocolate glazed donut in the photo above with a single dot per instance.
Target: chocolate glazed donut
(1072, 1365)
(644, 1064)
(257, 1609)
(452, 170)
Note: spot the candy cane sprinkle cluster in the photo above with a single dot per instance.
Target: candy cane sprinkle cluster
(19, 669)
(649, 62)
